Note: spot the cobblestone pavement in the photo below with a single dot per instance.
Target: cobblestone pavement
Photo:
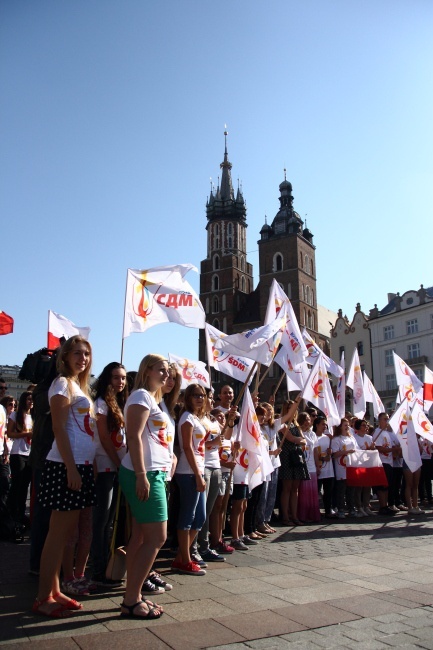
(341, 584)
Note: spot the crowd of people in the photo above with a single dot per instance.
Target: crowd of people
(176, 459)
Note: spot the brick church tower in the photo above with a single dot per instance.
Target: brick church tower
(226, 278)
(286, 253)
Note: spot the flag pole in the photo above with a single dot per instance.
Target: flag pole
(124, 313)
(292, 411)
(278, 385)
(239, 397)
(48, 331)
(264, 375)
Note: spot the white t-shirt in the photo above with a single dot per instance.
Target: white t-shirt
(383, 438)
(2, 429)
(80, 425)
(156, 453)
(21, 446)
(270, 435)
(364, 440)
(240, 472)
(426, 445)
(171, 430)
(211, 452)
(311, 439)
(102, 459)
(327, 468)
(198, 441)
(342, 443)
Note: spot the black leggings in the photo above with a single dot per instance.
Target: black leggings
(251, 511)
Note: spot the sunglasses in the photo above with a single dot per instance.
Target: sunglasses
(198, 395)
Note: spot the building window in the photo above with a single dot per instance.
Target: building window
(224, 306)
(419, 372)
(300, 260)
(341, 350)
(243, 284)
(305, 317)
(225, 325)
(215, 305)
(307, 295)
(278, 262)
(306, 265)
(216, 323)
(216, 262)
(360, 348)
(413, 351)
(248, 286)
(312, 298)
(207, 305)
(242, 263)
(391, 383)
(215, 283)
(289, 290)
(388, 332)
(313, 318)
(311, 267)
(412, 326)
(389, 359)
(230, 235)
(309, 319)
(216, 235)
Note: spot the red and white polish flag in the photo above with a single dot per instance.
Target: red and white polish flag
(364, 469)
(428, 389)
(61, 327)
(6, 323)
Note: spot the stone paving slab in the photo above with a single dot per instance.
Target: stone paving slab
(368, 584)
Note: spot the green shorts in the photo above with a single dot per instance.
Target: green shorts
(155, 508)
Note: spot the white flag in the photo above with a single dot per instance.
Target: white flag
(421, 423)
(402, 425)
(61, 327)
(354, 381)
(318, 391)
(371, 395)
(193, 372)
(232, 365)
(250, 438)
(407, 381)
(296, 376)
(340, 396)
(428, 389)
(314, 351)
(279, 305)
(161, 295)
(259, 344)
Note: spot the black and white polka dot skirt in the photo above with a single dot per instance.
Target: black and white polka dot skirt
(55, 494)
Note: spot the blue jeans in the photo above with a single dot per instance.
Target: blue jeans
(192, 512)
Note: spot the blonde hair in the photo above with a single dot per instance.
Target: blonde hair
(65, 371)
(142, 377)
(171, 398)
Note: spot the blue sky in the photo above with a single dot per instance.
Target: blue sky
(111, 125)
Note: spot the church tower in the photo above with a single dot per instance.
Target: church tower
(226, 278)
(287, 253)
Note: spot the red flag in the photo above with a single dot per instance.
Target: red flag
(364, 469)
(428, 385)
(6, 323)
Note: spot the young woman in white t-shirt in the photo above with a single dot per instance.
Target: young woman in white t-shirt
(20, 430)
(111, 393)
(142, 477)
(190, 477)
(67, 484)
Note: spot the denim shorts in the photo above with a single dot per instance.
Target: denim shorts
(240, 491)
(192, 511)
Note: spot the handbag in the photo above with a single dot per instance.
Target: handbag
(116, 567)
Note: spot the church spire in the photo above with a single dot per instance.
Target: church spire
(227, 193)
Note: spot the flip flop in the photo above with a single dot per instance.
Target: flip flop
(70, 603)
(151, 614)
(56, 612)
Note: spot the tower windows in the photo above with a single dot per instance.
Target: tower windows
(215, 305)
(242, 263)
(312, 298)
(243, 284)
(216, 323)
(215, 283)
(216, 235)
(306, 264)
(300, 261)
(311, 267)
(278, 262)
(207, 306)
(289, 290)
(225, 325)
(230, 235)
(307, 295)
(223, 303)
(216, 262)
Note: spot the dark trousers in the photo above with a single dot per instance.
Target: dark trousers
(40, 524)
(21, 477)
(425, 489)
(103, 514)
(327, 484)
(251, 511)
(345, 495)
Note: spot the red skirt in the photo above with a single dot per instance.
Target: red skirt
(308, 500)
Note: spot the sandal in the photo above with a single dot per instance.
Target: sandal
(56, 612)
(297, 522)
(287, 522)
(154, 605)
(69, 603)
(152, 613)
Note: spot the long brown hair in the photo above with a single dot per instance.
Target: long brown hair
(170, 399)
(114, 401)
(22, 409)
